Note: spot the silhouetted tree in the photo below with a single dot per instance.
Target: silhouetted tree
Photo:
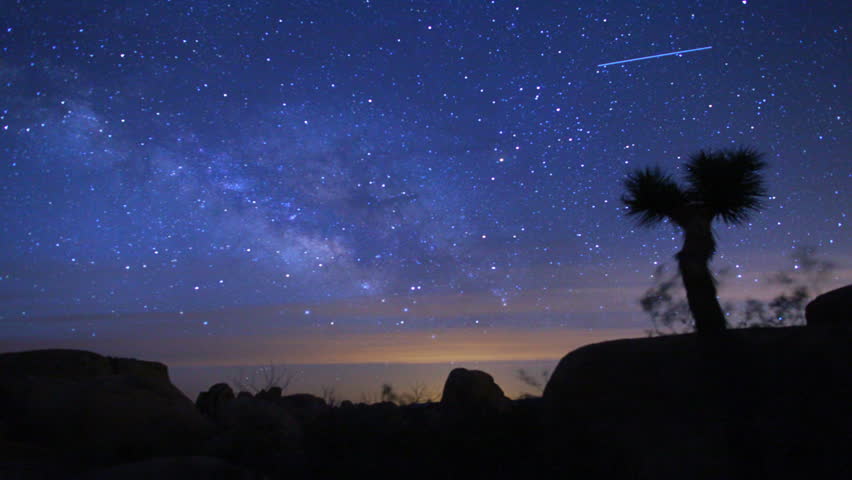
(329, 395)
(726, 184)
(389, 394)
(418, 393)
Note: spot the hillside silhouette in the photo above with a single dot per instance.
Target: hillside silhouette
(750, 403)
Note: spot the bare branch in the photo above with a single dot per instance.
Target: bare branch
(262, 378)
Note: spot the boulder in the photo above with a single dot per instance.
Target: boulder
(271, 395)
(95, 409)
(832, 308)
(473, 391)
(754, 403)
(213, 402)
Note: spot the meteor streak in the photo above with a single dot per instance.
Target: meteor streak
(654, 56)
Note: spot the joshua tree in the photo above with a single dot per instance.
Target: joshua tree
(725, 184)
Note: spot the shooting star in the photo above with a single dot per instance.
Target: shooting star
(654, 56)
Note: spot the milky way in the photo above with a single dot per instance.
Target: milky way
(194, 156)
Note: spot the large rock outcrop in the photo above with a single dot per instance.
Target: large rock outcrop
(754, 403)
(78, 365)
(831, 309)
(96, 409)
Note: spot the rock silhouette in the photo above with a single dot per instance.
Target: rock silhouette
(761, 403)
(79, 364)
(303, 406)
(473, 391)
(751, 403)
(213, 402)
(832, 308)
(81, 405)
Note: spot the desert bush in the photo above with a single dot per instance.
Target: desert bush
(263, 378)
(665, 302)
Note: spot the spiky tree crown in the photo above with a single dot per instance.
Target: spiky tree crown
(652, 196)
(726, 183)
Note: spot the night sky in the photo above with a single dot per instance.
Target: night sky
(230, 183)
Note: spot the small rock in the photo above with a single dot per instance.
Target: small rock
(212, 402)
(270, 395)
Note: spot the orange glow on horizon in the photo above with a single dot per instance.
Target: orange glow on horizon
(324, 347)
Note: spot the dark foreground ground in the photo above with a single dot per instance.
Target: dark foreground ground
(759, 403)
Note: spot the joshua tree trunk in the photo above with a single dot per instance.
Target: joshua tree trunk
(693, 261)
